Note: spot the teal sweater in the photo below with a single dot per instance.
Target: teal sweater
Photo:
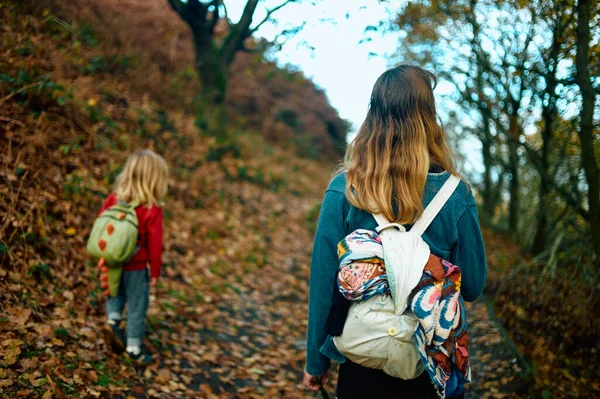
(453, 235)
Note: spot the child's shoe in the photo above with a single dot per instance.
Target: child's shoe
(113, 335)
(141, 357)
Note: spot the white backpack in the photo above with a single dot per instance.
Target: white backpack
(379, 332)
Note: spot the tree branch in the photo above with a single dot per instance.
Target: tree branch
(193, 12)
(178, 6)
(287, 34)
(215, 14)
(225, 11)
(268, 16)
(238, 32)
(570, 81)
(246, 18)
(260, 48)
(535, 158)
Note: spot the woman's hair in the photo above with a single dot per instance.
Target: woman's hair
(400, 139)
(143, 179)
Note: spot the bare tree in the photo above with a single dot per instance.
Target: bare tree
(556, 13)
(586, 124)
(493, 83)
(213, 59)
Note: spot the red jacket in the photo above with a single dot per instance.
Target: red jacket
(149, 239)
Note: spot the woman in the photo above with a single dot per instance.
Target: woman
(397, 163)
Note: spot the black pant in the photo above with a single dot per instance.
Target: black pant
(358, 382)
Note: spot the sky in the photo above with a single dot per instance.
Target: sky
(338, 62)
(344, 58)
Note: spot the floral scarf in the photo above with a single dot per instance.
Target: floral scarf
(442, 337)
(361, 272)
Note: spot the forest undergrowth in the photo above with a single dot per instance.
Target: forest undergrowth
(229, 316)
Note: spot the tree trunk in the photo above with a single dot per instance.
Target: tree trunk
(548, 116)
(497, 190)
(213, 63)
(213, 74)
(586, 127)
(513, 163)
(539, 241)
(489, 203)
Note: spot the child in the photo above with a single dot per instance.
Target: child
(143, 179)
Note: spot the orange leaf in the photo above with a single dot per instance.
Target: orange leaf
(164, 376)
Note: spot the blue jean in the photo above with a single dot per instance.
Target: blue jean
(134, 291)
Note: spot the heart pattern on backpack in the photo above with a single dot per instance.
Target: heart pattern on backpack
(110, 229)
(102, 244)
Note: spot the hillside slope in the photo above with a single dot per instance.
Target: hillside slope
(236, 233)
(279, 103)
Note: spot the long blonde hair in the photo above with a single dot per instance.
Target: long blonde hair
(388, 160)
(143, 179)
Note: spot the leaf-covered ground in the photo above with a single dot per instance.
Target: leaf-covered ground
(551, 316)
(229, 317)
(498, 369)
(238, 226)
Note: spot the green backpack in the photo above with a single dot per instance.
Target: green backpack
(113, 240)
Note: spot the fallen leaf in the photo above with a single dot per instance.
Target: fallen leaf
(164, 376)
(205, 388)
(139, 389)
(24, 393)
(68, 295)
(92, 376)
(78, 380)
(29, 363)
(23, 316)
(258, 371)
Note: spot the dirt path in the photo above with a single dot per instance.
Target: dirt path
(238, 345)
(498, 370)
(250, 344)
(230, 318)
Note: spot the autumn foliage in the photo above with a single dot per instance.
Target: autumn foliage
(228, 316)
(552, 320)
(524, 89)
(82, 85)
(280, 103)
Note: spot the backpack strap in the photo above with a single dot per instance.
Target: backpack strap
(430, 212)
(436, 205)
(385, 224)
(134, 204)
